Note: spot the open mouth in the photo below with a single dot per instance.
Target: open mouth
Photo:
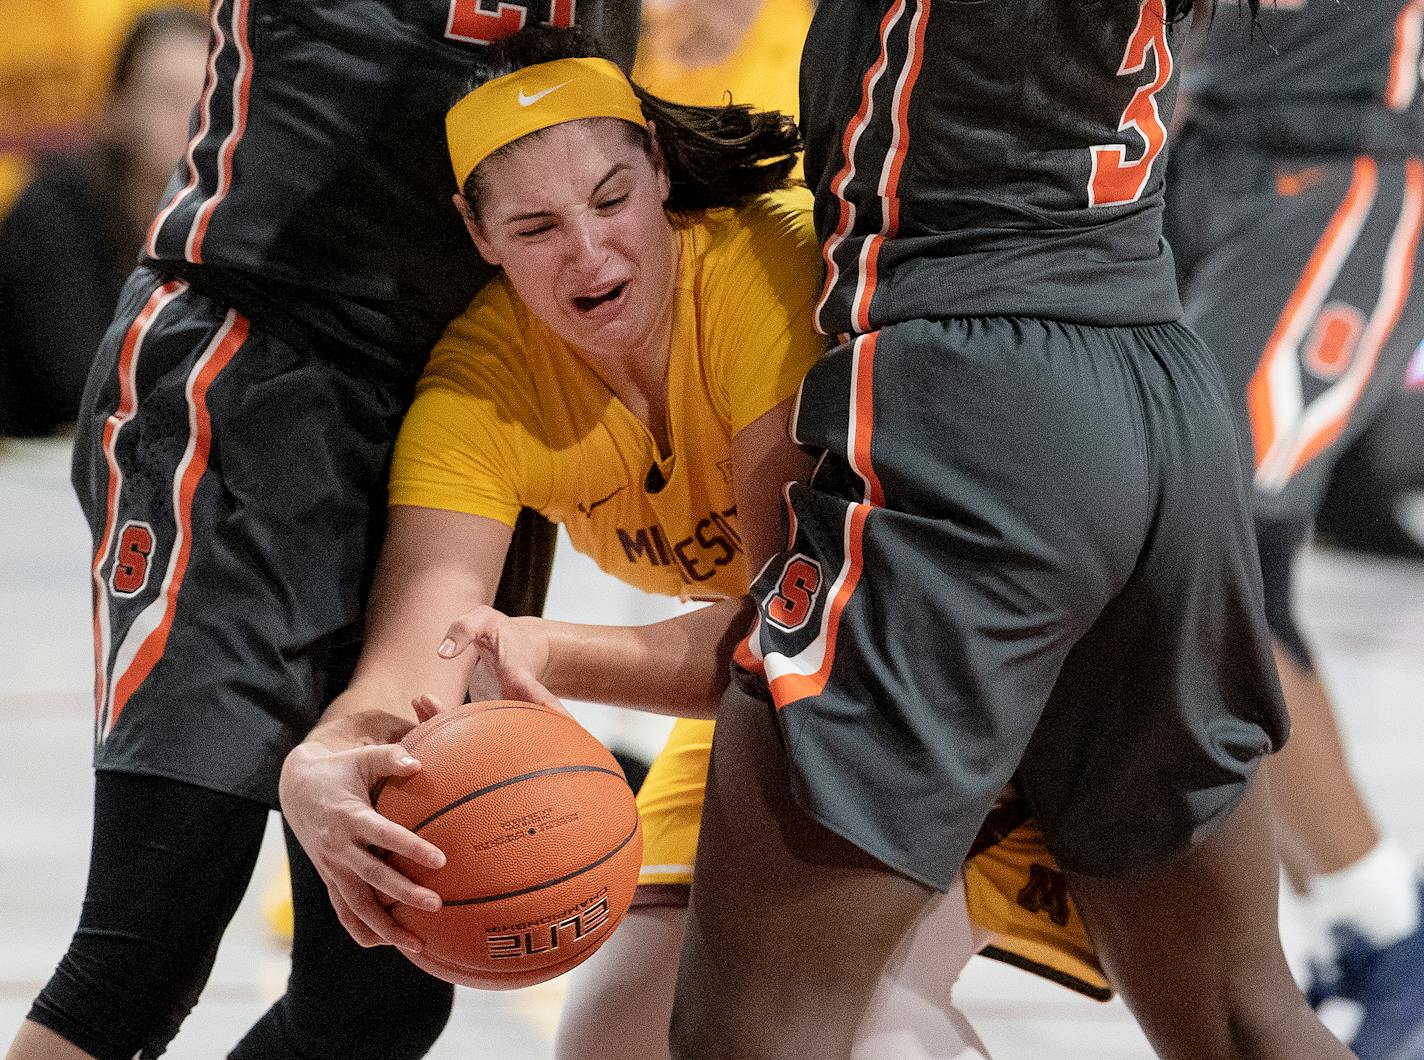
(588, 303)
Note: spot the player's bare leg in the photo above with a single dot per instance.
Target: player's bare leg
(758, 979)
(34, 1042)
(620, 1000)
(1194, 948)
(1330, 826)
(912, 1015)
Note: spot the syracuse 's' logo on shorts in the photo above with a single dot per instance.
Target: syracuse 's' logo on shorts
(132, 556)
(790, 604)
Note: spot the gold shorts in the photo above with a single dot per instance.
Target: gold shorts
(1015, 889)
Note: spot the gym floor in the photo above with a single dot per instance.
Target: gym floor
(1366, 617)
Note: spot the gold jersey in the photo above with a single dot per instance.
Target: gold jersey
(508, 415)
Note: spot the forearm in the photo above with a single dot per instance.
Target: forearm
(360, 716)
(677, 667)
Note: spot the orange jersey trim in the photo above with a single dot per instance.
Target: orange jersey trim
(240, 91)
(1394, 293)
(205, 111)
(126, 409)
(191, 468)
(1314, 284)
(853, 132)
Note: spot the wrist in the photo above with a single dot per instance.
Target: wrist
(360, 729)
(545, 643)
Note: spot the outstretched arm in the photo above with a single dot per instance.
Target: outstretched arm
(434, 564)
(678, 666)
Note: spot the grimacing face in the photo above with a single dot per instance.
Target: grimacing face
(574, 215)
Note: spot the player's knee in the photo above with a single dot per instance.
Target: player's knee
(108, 1014)
(1278, 544)
(352, 1024)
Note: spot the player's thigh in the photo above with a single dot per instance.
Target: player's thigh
(1194, 947)
(779, 899)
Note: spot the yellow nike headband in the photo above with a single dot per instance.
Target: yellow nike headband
(501, 111)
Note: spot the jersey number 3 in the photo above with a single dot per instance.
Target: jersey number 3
(476, 23)
(1115, 181)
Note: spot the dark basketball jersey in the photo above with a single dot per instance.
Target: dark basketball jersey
(1000, 158)
(317, 184)
(1318, 75)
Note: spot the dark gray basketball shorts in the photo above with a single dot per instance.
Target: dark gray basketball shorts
(1300, 273)
(1026, 555)
(235, 485)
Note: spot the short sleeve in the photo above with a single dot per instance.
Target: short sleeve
(761, 292)
(471, 441)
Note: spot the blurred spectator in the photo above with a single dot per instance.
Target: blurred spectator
(55, 56)
(74, 233)
(696, 51)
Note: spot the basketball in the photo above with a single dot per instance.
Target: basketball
(541, 837)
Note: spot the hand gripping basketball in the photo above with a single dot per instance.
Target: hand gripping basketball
(541, 835)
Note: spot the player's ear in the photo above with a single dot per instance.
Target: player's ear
(655, 153)
(472, 225)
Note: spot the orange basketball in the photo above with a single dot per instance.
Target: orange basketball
(541, 839)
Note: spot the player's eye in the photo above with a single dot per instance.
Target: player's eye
(534, 231)
(613, 203)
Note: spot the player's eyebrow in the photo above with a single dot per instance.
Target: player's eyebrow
(535, 215)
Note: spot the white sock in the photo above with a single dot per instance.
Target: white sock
(1377, 897)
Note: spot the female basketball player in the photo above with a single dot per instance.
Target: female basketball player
(1025, 556)
(629, 376)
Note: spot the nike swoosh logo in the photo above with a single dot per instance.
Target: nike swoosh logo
(1290, 184)
(587, 509)
(528, 100)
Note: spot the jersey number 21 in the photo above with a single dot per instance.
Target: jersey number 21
(476, 23)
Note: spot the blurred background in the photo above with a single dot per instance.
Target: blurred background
(95, 97)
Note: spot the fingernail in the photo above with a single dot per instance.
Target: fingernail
(433, 904)
(446, 649)
(408, 761)
(436, 861)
